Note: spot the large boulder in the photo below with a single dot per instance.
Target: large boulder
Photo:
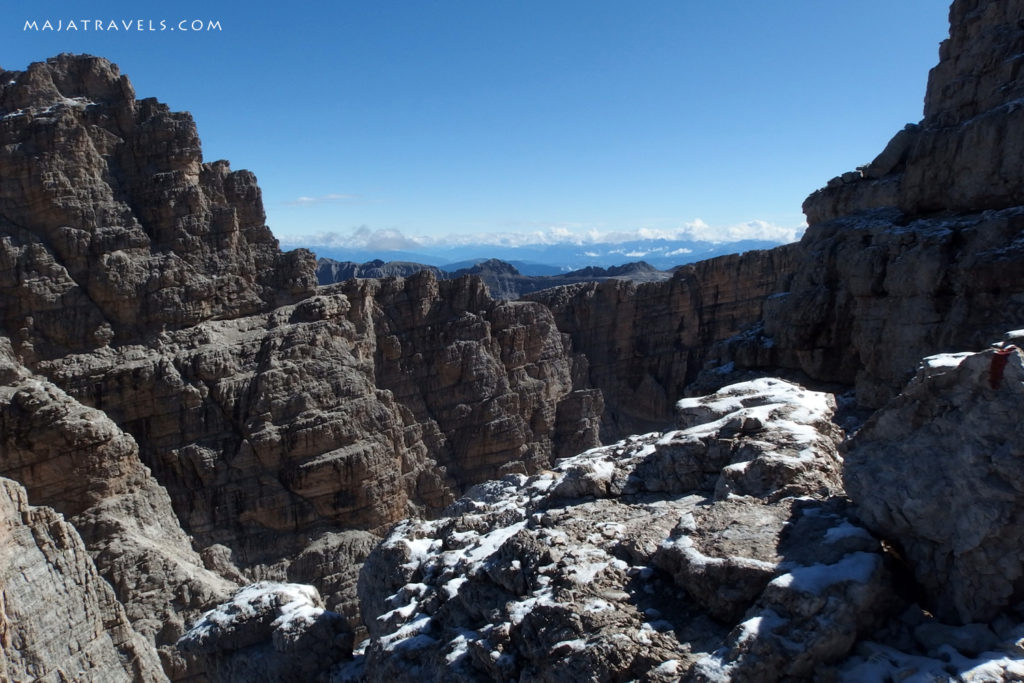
(939, 471)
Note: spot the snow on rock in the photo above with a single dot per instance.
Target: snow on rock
(765, 437)
(269, 632)
(633, 560)
(805, 618)
(876, 662)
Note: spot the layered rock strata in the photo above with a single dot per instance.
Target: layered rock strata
(76, 460)
(59, 620)
(111, 226)
(644, 343)
(147, 316)
(916, 253)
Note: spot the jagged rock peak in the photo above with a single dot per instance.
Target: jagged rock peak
(111, 226)
(980, 63)
(964, 156)
(64, 77)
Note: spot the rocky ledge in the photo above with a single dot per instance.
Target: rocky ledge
(727, 550)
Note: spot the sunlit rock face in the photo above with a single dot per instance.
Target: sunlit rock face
(204, 416)
(644, 343)
(59, 618)
(916, 253)
(919, 251)
(718, 549)
(144, 282)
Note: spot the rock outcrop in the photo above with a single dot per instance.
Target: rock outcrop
(638, 560)
(111, 225)
(962, 157)
(76, 460)
(270, 632)
(147, 318)
(938, 471)
(59, 620)
(918, 252)
(203, 416)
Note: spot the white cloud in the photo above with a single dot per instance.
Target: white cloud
(751, 230)
(562, 234)
(332, 197)
(363, 237)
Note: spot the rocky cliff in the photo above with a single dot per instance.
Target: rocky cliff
(148, 320)
(917, 252)
(59, 620)
(203, 416)
(645, 343)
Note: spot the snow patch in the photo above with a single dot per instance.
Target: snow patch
(846, 530)
(816, 578)
(945, 360)
(297, 606)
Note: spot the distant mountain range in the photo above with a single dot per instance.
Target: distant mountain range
(549, 259)
(503, 279)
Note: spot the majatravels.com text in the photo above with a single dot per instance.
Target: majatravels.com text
(123, 25)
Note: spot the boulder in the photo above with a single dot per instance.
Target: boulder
(939, 471)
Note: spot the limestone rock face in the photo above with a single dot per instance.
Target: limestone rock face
(111, 225)
(645, 342)
(938, 471)
(963, 156)
(59, 620)
(354, 408)
(490, 382)
(876, 292)
(597, 570)
(76, 460)
(147, 316)
(919, 251)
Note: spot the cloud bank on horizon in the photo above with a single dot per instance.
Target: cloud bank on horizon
(391, 239)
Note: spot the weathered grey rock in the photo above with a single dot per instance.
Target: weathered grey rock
(75, 459)
(59, 620)
(961, 157)
(806, 617)
(119, 183)
(333, 562)
(938, 472)
(595, 571)
(269, 632)
(645, 342)
(141, 295)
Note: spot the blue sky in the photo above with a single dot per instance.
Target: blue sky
(523, 117)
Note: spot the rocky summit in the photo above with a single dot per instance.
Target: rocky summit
(800, 463)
